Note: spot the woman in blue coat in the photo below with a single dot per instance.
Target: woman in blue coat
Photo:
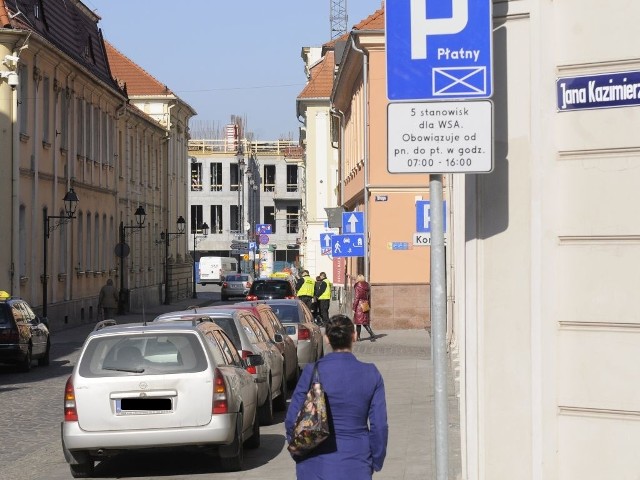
(357, 412)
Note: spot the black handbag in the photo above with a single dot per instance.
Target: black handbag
(312, 425)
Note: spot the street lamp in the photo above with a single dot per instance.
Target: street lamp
(122, 250)
(196, 238)
(167, 237)
(70, 204)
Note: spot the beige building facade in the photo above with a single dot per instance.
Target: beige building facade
(542, 251)
(66, 124)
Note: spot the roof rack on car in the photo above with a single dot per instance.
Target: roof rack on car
(104, 323)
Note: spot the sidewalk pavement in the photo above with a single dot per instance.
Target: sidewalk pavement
(404, 359)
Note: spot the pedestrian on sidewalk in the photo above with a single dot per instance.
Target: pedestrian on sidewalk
(357, 408)
(362, 307)
(108, 300)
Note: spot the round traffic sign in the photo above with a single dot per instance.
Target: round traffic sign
(122, 250)
(264, 239)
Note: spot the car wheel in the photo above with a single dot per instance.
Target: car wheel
(44, 361)
(82, 470)
(265, 411)
(281, 401)
(232, 456)
(25, 366)
(254, 441)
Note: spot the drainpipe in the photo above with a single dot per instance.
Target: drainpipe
(338, 114)
(15, 197)
(365, 93)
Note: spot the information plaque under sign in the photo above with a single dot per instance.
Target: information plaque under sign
(440, 137)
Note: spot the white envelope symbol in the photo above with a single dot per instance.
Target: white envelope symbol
(454, 81)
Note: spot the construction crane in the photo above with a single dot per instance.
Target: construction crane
(338, 17)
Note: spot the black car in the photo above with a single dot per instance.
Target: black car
(23, 335)
(270, 288)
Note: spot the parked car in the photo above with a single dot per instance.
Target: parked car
(24, 336)
(269, 288)
(273, 326)
(236, 285)
(299, 324)
(249, 338)
(138, 386)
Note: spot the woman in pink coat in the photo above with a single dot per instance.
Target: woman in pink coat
(361, 291)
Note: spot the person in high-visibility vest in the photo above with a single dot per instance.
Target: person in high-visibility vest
(304, 287)
(324, 297)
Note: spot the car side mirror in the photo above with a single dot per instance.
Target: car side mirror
(278, 338)
(254, 360)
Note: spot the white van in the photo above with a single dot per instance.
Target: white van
(214, 269)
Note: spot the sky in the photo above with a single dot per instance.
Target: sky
(224, 58)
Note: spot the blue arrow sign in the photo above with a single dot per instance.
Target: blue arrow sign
(325, 240)
(423, 216)
(353, 222)
(347, 245)
(439, 49)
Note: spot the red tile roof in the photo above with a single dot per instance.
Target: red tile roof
(137, 80)
(321, 82)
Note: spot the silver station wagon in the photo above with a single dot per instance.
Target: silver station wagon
(159, 385)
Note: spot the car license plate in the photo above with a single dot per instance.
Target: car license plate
(133, 406)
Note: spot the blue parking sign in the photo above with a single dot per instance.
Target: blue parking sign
(423, 216)
(439, 49)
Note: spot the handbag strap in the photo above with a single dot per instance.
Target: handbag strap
(315, 375)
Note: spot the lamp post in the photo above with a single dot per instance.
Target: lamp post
(196, 238)
(122, 250)
(166, 237)
(70, 204)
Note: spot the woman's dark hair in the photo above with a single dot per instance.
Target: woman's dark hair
(339, 331)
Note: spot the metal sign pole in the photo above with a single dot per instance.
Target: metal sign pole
(439, 327)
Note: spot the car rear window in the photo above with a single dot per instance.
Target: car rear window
(151, 354)
(286, 313)
(237, 278)
(282, 288)
(229, 326)
(4, 315)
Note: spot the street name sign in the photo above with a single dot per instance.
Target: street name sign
(440, 137)
(438, 49)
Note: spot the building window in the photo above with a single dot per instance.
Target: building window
(234, 219)
(234, 177)
(269, 178)
(196, 218)
(64, 121)
(217, 225)
(80, 127)
(88, 116)
(293, 213)
(292, 178)
(270, 217)
(196, 177)
(216, 177)
(46, 121)
(24, 96)
(88, 258)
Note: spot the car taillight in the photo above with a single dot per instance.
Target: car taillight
(220, 404)
(245, 354)
(225, 284)
(303, 333)
(289, 297)
(252, 297)
(70, 411)
(9, 336)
